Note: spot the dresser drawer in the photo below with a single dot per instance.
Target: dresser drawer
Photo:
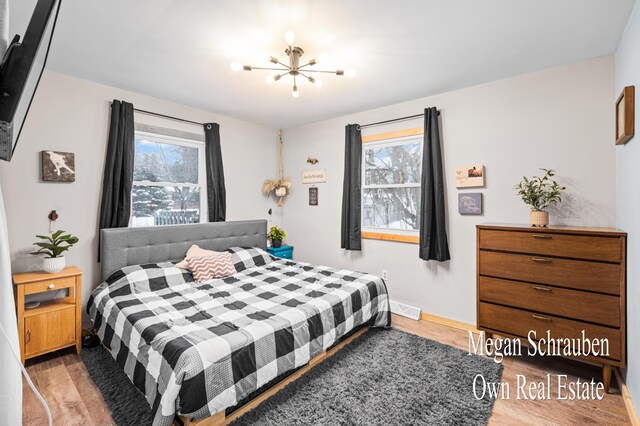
(518, 323)
(581, 275)
(607, 249)
(52, 284)
(580, 305)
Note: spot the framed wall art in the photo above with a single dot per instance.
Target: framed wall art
(625, 115)
(58, 166)
(470, 176)
(470, 203)
(313, 196)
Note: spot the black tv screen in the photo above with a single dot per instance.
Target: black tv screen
(20, 72)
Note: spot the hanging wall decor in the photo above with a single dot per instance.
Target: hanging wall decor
(280, 186)
(625, 115)
(313, 196)
(470, 176)
(470, 203)
(58, 166)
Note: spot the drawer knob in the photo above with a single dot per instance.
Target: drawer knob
(52, 285)
(537, 287)
(541, 318)
(540, 260)
(541, 237)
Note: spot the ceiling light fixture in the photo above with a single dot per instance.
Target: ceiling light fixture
(294, 68)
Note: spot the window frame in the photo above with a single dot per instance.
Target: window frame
(400, 137)
(202, 172)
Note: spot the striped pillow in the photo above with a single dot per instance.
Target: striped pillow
(205, 268)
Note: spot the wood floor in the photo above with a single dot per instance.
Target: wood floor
(74, 399)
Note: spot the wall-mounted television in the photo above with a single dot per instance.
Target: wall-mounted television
(20, 72)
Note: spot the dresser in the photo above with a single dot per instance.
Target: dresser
(55, 324)
(556, 280)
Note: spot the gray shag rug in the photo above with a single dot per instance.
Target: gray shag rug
(383, 377)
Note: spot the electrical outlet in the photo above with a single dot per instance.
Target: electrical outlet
(385, 274)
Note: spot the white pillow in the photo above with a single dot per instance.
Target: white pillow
(194, 251)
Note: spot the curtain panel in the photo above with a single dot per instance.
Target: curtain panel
(115, 207)
(216, 191)
(351, 191)
(433, 233)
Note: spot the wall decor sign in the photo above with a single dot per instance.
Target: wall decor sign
(313, 196)
(58, 166)
(470, 203)
(625, 115)
(470, 176)
(314, 176)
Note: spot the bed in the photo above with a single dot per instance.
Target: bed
(197, 350)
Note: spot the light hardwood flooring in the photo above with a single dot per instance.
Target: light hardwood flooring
(74, 400)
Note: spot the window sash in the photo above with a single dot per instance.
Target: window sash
(202, 172)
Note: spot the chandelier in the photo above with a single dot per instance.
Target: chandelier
(294, 68)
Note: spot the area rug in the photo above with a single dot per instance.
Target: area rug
(384, 377)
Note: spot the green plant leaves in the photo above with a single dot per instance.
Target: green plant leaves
(540, 192)
(56, 244)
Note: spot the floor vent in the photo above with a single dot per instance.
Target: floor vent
(405, 310)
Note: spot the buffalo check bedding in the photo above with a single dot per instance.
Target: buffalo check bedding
(197, 348)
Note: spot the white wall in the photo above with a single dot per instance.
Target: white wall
(628, 197)
(69, 114)
(559, 118)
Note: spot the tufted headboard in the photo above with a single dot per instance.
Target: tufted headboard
(120, 247)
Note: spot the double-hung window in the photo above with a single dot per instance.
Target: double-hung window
(391, 171)
(169, 181)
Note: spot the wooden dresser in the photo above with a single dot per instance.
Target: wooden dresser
(55, 324)
(557, 279)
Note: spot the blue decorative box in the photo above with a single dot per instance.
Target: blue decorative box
(284, 252)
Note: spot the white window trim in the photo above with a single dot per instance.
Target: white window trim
(202, 172)
(372, 145)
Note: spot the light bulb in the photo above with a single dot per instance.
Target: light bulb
(318, 83)
(270, 79)
(236, 66)
(289, 38)
(350, 72)
(295, 92)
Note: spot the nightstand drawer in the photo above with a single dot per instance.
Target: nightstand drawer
(48, 331)
(47, 285)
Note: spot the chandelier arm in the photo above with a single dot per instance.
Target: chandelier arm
(323, 71)
(272, 69)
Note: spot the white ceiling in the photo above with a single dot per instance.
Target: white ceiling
(181, 50)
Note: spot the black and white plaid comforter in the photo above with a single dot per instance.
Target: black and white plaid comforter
(196, 349)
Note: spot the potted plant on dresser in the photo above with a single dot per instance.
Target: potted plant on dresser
(276, 235)
(53, 247)
(539, 193)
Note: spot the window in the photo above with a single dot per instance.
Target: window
(168, 181)
(392, 169)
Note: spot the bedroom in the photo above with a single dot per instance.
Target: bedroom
(146, 115)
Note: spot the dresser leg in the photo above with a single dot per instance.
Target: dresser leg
(606, 377)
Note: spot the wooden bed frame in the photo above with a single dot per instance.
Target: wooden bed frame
(221, 418)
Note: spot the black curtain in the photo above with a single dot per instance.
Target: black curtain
(115, 207)
(216, 192)
(433, 233)
(351, 191)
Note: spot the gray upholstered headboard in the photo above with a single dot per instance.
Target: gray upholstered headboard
(120, 247)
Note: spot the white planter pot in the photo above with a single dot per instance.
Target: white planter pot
(53, 264)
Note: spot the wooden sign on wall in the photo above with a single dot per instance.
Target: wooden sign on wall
(314, 176)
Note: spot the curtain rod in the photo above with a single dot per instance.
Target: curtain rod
(393, 120)
(167, 116)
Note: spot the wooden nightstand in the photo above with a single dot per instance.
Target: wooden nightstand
(55, 324)
(283, 252)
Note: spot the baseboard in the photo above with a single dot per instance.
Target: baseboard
(449, 322)
(628, 402)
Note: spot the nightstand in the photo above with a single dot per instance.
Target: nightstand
(55, 324)
(284, 252)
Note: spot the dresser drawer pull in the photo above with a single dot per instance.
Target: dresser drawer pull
(541, 318)
(52, 285)
(28, 336)
(542, 237)
(540, 260)
(535, 287)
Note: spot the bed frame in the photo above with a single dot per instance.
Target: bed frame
(121, 247)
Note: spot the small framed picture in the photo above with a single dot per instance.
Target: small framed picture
(625, 110)
(470, 176)
(58, 166)
(313, 196)
(470, 203)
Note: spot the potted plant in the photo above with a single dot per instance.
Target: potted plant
(276, 235)
(539, 193)
(52, 247)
